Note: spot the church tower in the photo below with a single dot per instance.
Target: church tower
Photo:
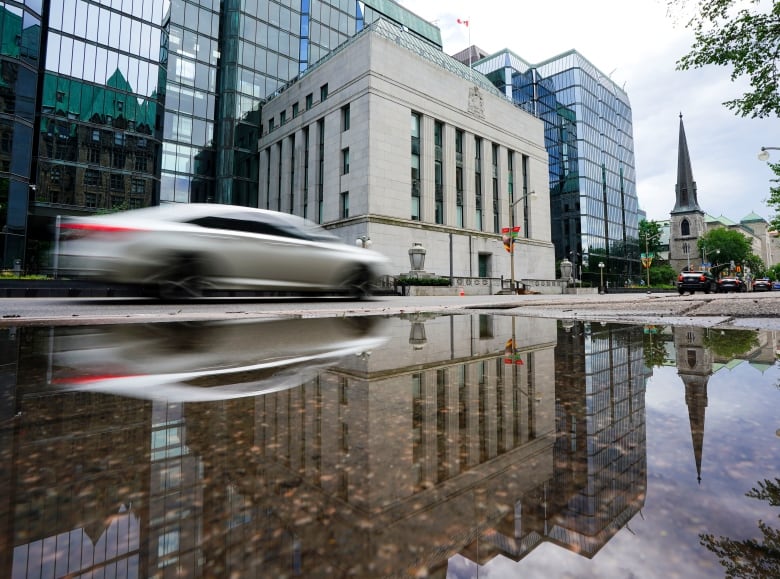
(687, 218)
(694, 366)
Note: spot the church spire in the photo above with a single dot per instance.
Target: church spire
(685, 190)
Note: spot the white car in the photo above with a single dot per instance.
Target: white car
(182, 250)
(206, 361)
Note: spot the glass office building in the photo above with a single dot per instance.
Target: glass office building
(589, 139)
(114, 104)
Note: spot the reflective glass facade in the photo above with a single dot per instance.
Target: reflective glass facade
(589, 139)
(114, 104)
(20, 56)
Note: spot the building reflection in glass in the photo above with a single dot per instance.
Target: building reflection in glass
(499, 434)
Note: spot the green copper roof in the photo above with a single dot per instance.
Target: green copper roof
(752, 217)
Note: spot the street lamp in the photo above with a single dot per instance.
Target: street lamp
(511, 233)
(647, 255)
(601, 271)
(363, 241)
(763, 155)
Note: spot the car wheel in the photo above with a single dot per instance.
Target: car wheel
(181, 279)
(681, 292)
(359, 284)
(707, 289)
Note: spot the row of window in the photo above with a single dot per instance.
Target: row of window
(309, 103)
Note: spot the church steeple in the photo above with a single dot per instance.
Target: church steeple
(686, 199)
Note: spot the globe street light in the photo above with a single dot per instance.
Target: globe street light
(512, 232)
(363, 241)
(764, 155)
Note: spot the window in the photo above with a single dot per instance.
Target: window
(438, 178)
(270, 125)
(344, 205)
(323, 92)
(94, 155)
(55, 174)
(685, 227)
(309, 101)
(118, 158)
(345, 161)
(92, 178)
(295, 111)
(117, 182)
(345, 118)
(138, 187)
(96, 135)
(141, 162)
(415, 166)
(282, 117)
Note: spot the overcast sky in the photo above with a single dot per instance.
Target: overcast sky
(641, 44)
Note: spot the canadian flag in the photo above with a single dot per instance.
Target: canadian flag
(465, 22)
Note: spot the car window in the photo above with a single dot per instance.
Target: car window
(251, 222)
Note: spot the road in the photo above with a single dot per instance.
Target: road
(748, 310)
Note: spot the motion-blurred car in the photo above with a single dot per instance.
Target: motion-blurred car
(776, 285)
(693, 281)
(182, 250)
(763, 284)
(206, 361)
(731, 284)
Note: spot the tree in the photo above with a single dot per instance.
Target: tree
(773, 202)
(743, 35)
(649, 236)
(755, 557)
(728, 245)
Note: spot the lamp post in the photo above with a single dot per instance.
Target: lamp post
(363, 241)
(511, 233)
(601, 271)
(763, 155)
(647, 254)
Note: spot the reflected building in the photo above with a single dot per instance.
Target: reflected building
(490, 436)
(589, 138)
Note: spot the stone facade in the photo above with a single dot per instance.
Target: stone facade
(336, 148)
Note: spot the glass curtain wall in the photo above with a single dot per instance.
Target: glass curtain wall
(98, 141)
(20, 27)
(609, 206)
(589, 139)
(191, 53)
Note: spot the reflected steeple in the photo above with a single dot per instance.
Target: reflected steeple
(694, 366)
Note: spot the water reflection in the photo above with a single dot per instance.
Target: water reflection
(417, 445)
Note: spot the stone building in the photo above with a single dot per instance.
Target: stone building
(391, 140)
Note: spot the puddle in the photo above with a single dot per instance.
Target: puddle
(418, 445)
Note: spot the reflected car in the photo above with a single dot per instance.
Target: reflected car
(731, 284)
(183, 250)
(763, 284)
(206, 361)
(693, 281)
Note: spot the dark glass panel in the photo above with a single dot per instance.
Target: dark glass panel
(25, 93)
(22, 150)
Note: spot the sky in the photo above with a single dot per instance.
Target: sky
(639, 44)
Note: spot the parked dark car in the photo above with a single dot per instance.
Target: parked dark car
(731, 284)
(762, 284)
(693, 281)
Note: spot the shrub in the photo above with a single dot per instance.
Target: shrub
(406, 280)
